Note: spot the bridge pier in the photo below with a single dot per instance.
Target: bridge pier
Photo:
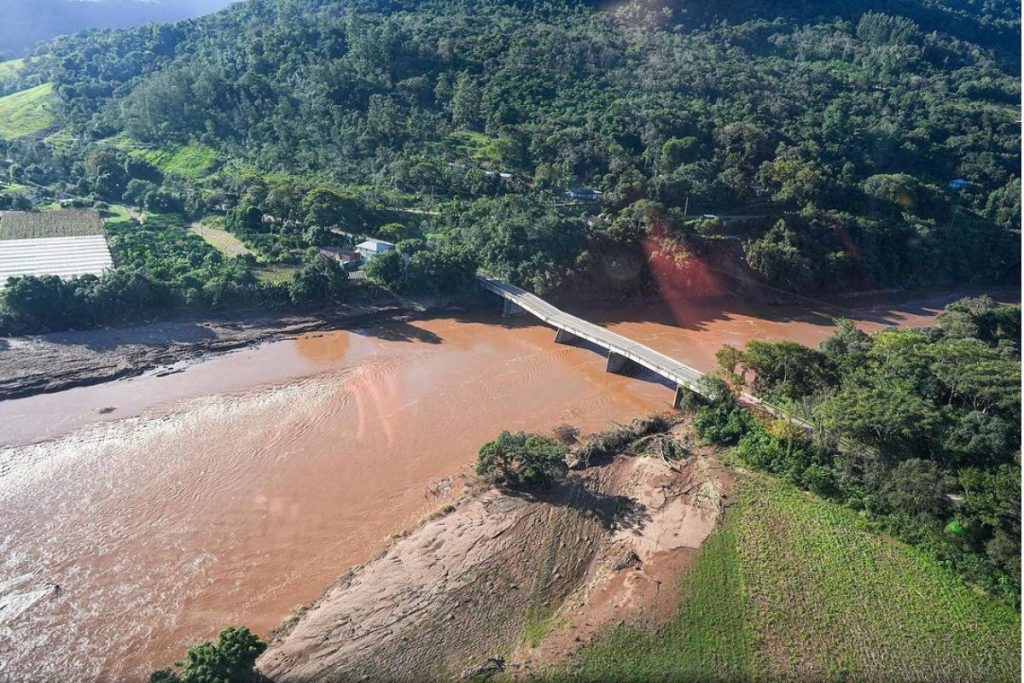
(677, 400)
(509, 309)
(564, 337)
(619, 364)
(682, 393)
(687, 396)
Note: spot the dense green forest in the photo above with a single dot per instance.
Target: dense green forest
(840, 144)
(900, 419)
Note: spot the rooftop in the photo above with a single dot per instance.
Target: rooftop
(375, 245)
(64, 257)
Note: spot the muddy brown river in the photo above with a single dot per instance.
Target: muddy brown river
(142, 516)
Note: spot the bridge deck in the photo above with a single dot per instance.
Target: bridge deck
(644, 356)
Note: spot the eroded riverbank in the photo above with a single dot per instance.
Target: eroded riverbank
(64, 360)
(238, 507)
(236, 490)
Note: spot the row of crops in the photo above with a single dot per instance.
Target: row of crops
(19, 225)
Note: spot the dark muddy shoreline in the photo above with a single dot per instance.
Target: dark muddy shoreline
(58, 361)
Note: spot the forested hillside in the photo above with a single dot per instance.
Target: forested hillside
(900, 419)
(842, 144)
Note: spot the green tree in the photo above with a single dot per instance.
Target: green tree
(396, 232)
(232, 659)
(522, 459)
(917, 486)
(442, 269)
(387, 270)
(41, 303)
(321, 281)
(776, 256)
(846, 348)
(883, 412)
(1003, 205)
(791, 181)
(893, 191)
(329, 208)
(466, 102)
(978, 438)
(785, 369)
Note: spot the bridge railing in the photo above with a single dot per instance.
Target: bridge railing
(638, 353)
(667, 367)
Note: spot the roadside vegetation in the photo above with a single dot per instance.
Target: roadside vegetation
(917, 430)
(796, 587)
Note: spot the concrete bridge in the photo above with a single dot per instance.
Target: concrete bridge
(623, 354)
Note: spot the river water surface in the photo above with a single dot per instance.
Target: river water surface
(236, 490)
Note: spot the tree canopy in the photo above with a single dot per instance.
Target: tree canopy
(921, 418)
(839, 145)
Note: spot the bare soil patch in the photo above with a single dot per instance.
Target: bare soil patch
(505, 568)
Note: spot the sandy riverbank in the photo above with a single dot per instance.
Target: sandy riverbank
(526, 577)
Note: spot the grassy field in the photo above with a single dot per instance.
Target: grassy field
(193, 161)
(276, 273)
(221, 240)
(794, 587)
(15, 225)
(26, 112)
(15, 187)
(475, 146)
(117, 212)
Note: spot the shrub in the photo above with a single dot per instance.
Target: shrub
(792, 457)
(522, 459)
(386, 270)
(321, 281)
(722, 423)
(231, 660)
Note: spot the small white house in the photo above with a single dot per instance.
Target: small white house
(583, 194)
(371, 248)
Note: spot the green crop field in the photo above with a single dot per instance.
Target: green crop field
(193, 161)
(475, 146)
(795, 587)
(16, 225)
(26, 112)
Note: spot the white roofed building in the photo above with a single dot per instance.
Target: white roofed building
(61, 243)
(373, 247)
(64, 257)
